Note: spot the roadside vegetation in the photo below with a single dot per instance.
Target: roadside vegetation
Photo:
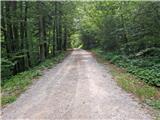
(15, 85)
(144, 68)
(131, 82)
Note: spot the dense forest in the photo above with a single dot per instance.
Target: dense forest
(126, 32)
(32, 32)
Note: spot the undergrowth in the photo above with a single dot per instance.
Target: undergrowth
(146, 68)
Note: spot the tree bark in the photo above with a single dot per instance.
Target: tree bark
(65, 38)
(41, 34)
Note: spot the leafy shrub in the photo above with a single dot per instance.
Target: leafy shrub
(146, 69)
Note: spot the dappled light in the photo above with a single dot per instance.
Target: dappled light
(80, 60)
(75, 41)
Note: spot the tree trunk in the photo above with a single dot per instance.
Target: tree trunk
(41, 30)
(4, 27)
(65, 38)
(54, 38)
(41, 33)
(45, 38)
(27, 58)
(57, 25)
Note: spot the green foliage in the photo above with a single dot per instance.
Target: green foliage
(127, 26)
(148, 45)
(33, 32)
(8, 99)
(12, 87)
(146, 69)
(48, 63)
(88, 37)
(6, 68)
(75, 40)
(153, 103)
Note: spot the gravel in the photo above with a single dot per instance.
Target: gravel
(79, 88)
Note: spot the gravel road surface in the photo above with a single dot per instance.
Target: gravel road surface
(79, 88)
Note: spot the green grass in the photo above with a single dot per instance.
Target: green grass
(14, 86)
(153, 103)
(131, 83)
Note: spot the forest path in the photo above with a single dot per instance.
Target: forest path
(78, 88)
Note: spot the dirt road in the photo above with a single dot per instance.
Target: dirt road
(78, 88)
